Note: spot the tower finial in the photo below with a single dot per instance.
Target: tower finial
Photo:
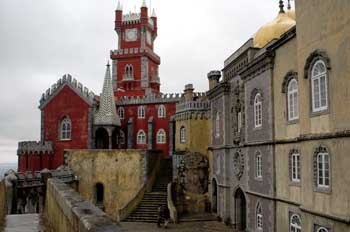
(153, 13)
(144, 3)
(281, 6)
(119, 7)
(289, 5)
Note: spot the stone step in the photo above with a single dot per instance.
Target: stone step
(23, 222)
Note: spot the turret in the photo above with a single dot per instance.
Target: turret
(154, 18)
(188, 92)
(118, 17)
(144, 13)
(213, 77)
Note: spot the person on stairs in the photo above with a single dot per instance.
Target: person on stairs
(159, 215)
(166, 215)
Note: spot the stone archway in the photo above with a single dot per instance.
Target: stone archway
(99, 195)
(240, 210)
(102, 139)
(215, 196)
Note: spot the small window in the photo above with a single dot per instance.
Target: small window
(239, 121)
(295, 223)
(293, 105)
(183, 135)
(319, 87)
(66, 129)
(161, 137)
(161, 111)
(322, 229)
(257, 110)
(295, 162)
(128, 72)
(141, 112)
(217, 124)
(121, 113)
(259, 217)
(99, 193)
(258, 165)
(141, 137)
(323, 164)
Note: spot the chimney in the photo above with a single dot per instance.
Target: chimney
(213, 77)
(189, 92)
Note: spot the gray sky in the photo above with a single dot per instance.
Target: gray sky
(40, 40)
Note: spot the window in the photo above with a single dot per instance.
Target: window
(66, 129)
(319, 87)
(99, 193)
(141, 112)
(295, 223)
(122, 137)
(128, 72)
(293, 106)
(161, 137)
(322, 229)
(295, 162)
(141, 137)
(258, 165)
(323, 170)
(121, 112)
(217, 124)
(239, 121)
(259, 217)
(258, 110)
(183, 135)
(161, 111)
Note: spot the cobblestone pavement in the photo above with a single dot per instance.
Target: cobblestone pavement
(182, 227)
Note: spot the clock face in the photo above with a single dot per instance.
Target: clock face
(131, 34)
(149, 37)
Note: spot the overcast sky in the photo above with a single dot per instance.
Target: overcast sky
(40, 40)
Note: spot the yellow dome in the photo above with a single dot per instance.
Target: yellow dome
(273, 30)
(291, 14)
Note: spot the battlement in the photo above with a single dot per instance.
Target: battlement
(82, 91)
(133, 51)
(192, 105)
(131, 18)
(149, 99)
(33, 147)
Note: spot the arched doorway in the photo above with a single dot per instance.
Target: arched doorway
(99, 195)
(215, 196)
(102, 139)
(240, 210)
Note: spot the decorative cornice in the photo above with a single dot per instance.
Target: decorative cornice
(221, 88)
(257, 66)
(33, 147)
(150, 99)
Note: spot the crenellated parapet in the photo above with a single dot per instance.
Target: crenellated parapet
(151, 99)
(76, 86)
(33, 147)
(134, 51)
(192, 106)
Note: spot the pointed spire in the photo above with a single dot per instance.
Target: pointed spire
(153, 13)
(119, 7)
(144, 3)
(281, 6)
(289, 5)
(107, 114)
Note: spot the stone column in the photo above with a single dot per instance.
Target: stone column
(130, 131)
(171, 136)
(150, 133)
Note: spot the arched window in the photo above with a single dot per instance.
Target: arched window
(121, 112)
(161, 111)
(217, 124)
(128, 72)
(66, 129)
(295, 223)
(323, 164)
(161, 137)
(258, 165)
(295, 166)
(322, 229)
(121, 137)
(182, 134)
(141, 137)
(293, 105)
(259, 217)
(141, 112)
(257, 110)
(319, 87)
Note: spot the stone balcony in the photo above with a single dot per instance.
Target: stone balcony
(192, 105)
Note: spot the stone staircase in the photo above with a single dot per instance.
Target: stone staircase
(23, 222)
(146, 211)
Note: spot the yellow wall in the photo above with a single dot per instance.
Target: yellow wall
(121, 172)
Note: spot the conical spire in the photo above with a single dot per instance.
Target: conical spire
(289, 5)
(144, 3)
(119, 7)
(153, 13)
(107, 114)
(281, 6)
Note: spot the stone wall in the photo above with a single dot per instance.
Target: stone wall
(123, 174)
(67, 211)
(2, 202)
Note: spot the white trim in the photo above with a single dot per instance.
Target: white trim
(141, 137)
(65, 129)
(258, 165)
(292, 100)
(161, 136)
(183, 134)
(295, 162)
(322, 229)
(141, 112)
(257, 111)
(259, 217)
(121, 112)
(293, 226)
(317, 77)
(321, 180)
(161, 111)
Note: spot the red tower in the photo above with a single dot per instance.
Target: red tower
(135, 64)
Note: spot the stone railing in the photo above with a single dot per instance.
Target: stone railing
(192, 105)
(171, 205)
(33, 147)
(67, 211)
(84, 92)
(148, 99)
(152, 169)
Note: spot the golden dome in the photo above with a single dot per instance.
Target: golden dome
(273, 30)
(291, 14)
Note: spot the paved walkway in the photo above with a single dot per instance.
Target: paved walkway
(23, 222)
(211, 226)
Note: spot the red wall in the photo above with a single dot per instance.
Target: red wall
(32, 163)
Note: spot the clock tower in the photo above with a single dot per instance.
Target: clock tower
(135, 64)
